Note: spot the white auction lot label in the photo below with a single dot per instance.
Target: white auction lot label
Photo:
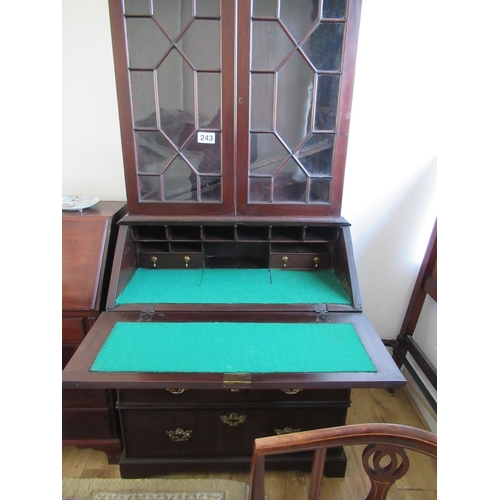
(206, 138)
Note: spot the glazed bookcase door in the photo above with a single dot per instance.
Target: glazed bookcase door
(174, 66)
(295, 75)
(234, 107)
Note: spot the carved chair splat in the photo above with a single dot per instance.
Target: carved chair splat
(384, 458)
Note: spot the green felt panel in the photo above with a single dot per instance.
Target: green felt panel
(233, 348)
(233, 286)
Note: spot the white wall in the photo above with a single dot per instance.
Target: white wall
(91, 149)
(390, 183)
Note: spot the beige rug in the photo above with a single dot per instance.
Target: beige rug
(153, 489)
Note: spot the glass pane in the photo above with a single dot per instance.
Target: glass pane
(260, 189)
(173, 15)
(290, 183)
(201, 44)
(268, 154)
(176, 98)
(270, 45)
(179, 181)
(316, 155)
(262, 96)
(324, 46)
(149, 188)
(326, 102)
(164, 79)
(204, 158)
(334, 9)
(295, 95)
(264, 8)
(282, 118)
(210, 189)
(319, 190)
(298, 25)
(146, 43)
(154, 152)
(137, 7)
(207, 8)
(143, 98)
(209, 100)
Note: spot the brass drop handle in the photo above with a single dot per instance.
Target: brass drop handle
(233, 419)
(154, 260)
(316, 261)
(186, 260)
(176, 391)
(291, 391)
(285, 260)
(179, 435)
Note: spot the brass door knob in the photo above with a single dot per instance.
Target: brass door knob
(316, 261)
(285, 260)
(154, 260)
(186, 260)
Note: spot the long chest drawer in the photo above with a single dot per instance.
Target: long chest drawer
(181, 396)
(156, 433)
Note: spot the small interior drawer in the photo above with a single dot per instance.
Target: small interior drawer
(301, 261)
(152, 260)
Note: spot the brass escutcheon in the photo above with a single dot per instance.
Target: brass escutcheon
(233, 419)
(179, 435)
(286, 430)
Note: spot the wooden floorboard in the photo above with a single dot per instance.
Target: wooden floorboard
(368, 405)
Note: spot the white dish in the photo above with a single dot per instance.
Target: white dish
(75, 202)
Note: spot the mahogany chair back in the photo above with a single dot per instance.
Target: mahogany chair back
(384, 457)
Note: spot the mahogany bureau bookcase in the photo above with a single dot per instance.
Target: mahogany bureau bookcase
(88, 243)
(234, 309)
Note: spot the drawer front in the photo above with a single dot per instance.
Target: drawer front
(73, 329)
(301, 261)
(67, 353)
(181, 433)
(180, 396)
(151, 260)
(86, 398)
(88, 424)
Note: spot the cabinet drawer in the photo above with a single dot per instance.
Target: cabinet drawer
(180, 433)
(181, 396)
(86, 398)
(67, 353)
(151, 260)
(73, 329)
(87, 424)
